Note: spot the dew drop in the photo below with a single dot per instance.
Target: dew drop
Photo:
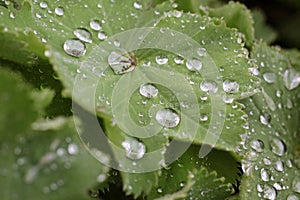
(179, 60)
(121, 63)
(296, 184)
(203, 118)
(264, 174)
(73, 149)
(74, 47)
(148, 90)
(265, 118)
(101, 178)
(167, 118)
(135, 150)
(254, 71)
(269, 77)
(137, 5)
(277, 146)
(271, 104)
(269, 192)
(230, 86)
(278, 166)
(83, 35)
(291, 79)
(161, 60)
(257, 145)
(209, 86)
(102, 36)
(201, 51)
(95, 25)
(43, 4)
(59, 11)
(193, 64)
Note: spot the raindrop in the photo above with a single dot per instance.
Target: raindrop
(83, 35)
(137, 5)
(203, 118)
(254, 71)
(135, 150)
(230, 86)
(269, 77)
(201, 51)
(179, 60)
(43, 4)
(277, 146)
(194, 64)
(73, 149)
(59, 11)
(269, 192)
(264, 175)
(296, 184)
(161, 60)
(121, 63)
(279, 166)
(257, 145)
(167, 118)
(209, 86)
(102, 36)
(265, 118)
(291, 79)
(95, 25)
(74, 47)
(267, 161)
(148, 90)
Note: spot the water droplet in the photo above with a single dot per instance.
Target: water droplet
(289, 104)
(102, 36)
(43, 4)
(135, 150)
(271, 104)
(269, 192)
(257, 145)
(74, 47)
(267, 161)
(167, 118)
(277, 146)
(203, 118)
(209, 86)
(230, 86)
(31, 174)
(264, 174)
(73, 149)
(159, 190)
(269, 77)
(296, 184)
(83, 35)
(95, 25)
(121, 63)
(291, 79)
(201, 51)
(193, 64)
(179, 60)
(247, 167)
(59, 11)
(265, 118)
(137, 5)
(278, 166)
(148, 90)
(254, 71)
(292, 197)
(101, 178)
(161, 60)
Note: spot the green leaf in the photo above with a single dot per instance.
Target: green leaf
(237, 16)
(271, 156)
(262, 30)
(41, 159)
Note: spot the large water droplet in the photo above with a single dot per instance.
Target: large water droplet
(269, 192)
(135, 149)
(257, 145)
(278, 165)
(161, 60)
(74, 47)
(121, 63)
(83, 35)
(264, 174)
(201, 51)
(230, 86)
(95, 25)
(269, 77)
(59, 11)
(291, 79)
(148, 90)
(277, 146)
(194, 64)
(167, 118)
(296, 184)
(209, 86)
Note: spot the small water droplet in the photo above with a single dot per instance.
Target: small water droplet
(73, 149)
(265, 118)
(291, 79)
(101, 178)
(148, 90)
(193, 64)
(121, 62)
(267, 161)
(167, 118)
(296, 184)
(135, 150)
(269, 77)
(83, 35)
(74, 47)
(278, 166)
(95, 25)
(59, 11)
(254, 71)
(159, 190)
(44, 4)
(161, 60)
(179, 60)
(277, 146)
(289, 104)
(264, 174)
(209, 86)
(257, 145)
(137, 5)
(203, 118)
(230, 86)
(269, 192)
(271, 104)
(201, 51)
(102, 36)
